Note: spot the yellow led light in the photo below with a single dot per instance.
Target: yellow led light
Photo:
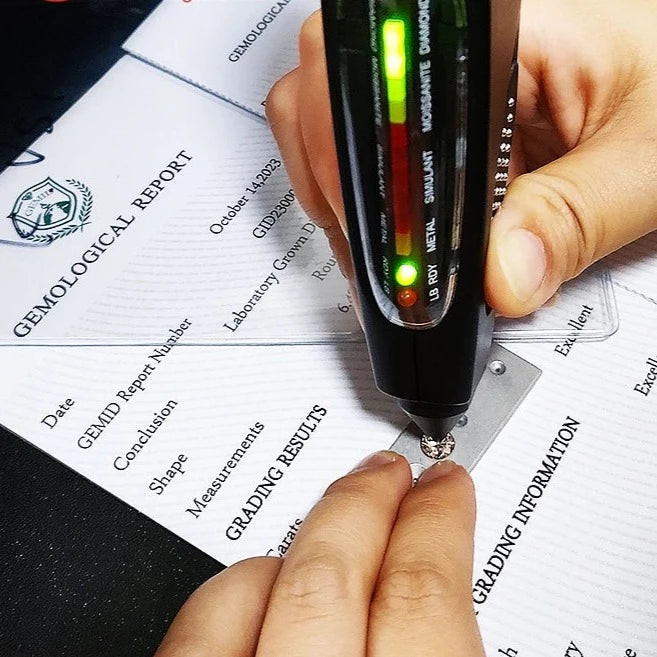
(395, 66)
(394, 48)
(397, 91)
(394, 59)
(403, 244)
(397, 112)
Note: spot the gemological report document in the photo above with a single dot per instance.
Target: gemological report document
(122, 242)
(175, 329)
(177, 226)
(257, 44)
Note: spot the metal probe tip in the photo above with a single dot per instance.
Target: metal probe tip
(435, 427)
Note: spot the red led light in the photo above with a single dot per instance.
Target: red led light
(407, 297)
(400, 188)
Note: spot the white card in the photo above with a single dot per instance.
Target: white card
(237, 54)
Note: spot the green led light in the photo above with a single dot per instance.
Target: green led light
(461, 13)
(394, 44)
(406, 274)
(394, 59)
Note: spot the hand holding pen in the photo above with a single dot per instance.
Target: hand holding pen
(583, 173)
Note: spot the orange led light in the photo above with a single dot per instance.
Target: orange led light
(407, 297)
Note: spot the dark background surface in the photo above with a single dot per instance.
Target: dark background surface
(52, 53)
(81, 573)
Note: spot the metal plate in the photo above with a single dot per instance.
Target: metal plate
(505, 383)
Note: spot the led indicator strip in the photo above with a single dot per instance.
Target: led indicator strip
(395, 67)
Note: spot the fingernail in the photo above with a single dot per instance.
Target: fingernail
(436, 472)
(376, 459)
(523, 262)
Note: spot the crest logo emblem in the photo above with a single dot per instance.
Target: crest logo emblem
(49, 210)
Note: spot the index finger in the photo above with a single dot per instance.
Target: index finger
(320, 603)
(315, 114)
(424, 592)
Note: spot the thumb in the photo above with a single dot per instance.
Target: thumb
(560, 219)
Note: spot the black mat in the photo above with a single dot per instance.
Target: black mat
(83, 574)
(52, 53)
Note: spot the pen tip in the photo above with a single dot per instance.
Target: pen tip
(433, 426)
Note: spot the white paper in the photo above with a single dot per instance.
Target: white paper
(635, 268)
(178, 197)
(237, 54)
(209, 401)
(124, 416)
(580, 572)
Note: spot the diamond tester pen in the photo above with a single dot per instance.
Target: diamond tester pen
(423, 101)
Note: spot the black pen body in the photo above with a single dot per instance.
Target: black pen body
(423, 101)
